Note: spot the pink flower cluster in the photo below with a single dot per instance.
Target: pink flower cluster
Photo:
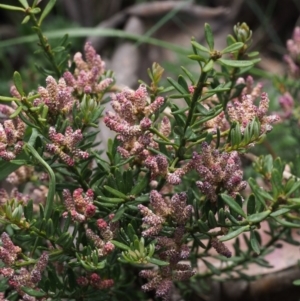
(95, 281)
(62, 95)
(103, 244)
(286, 102)
(57, 96)
(243, 109)
(220, 247)
(158, 165)
(11, 135)
(163, 208)
(170, 249)
(8, 252)
(293, 57)
(132, 122)
(87, 75)
(80, 205)
(218, 169)
(65, 145)
(162, 280)
(23, 277)
(21, 175)
(13, 195)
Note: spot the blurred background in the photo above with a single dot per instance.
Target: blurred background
(130, 49)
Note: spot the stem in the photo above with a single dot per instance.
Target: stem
(245, 259)
(81, 181)
(157, 133)
(52, 182)
(180, 151)
(25, 263)
(197, 93)
(223, 134)
(45, 45)
(233, 78)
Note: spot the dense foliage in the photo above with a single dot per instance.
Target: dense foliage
(82, 223)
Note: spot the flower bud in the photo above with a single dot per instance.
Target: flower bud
(242, 32)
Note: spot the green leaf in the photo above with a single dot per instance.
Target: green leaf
(254, 242)
(234, 233)
(140, 185)
(158, 262)
(212, 222)
(209, 37)
(235, 64)
(236, 246)
(15, 227)
(7, 167)
(208, 66)
(188, 74)
(247, 135)
(183, 83)
(196, 57)
(259, 193)
(280, 212)
(17, 213)
(235, 135)
(255, 128)
(221, 216)
(296, 282)
(202, 109)
(202, 226)
(200, 47)
(233, 47)
(212, 267)
(293, 188)
(258, 217)
(264, 194)
(49, 228)
(7, 99)
(35, 10)
(71, 278)
(25, 20)
(286, 223)
(115, 192)
(10, 7)
(110, 200)
(232, 218)
(233, 204)
(120, 245)
(24, 3)
(230, 40)
(119, 213)
(253, 54)
(28, 210)
(16, 112)
(276, 181)
(209, 138)
(33, 292)
(268, 163)
(58, 49)
(24, 238)
(251, 204)
(18, 82)
(63, 238)
(218, 139)
(46, 10)
(177, 86)
(262, 262)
